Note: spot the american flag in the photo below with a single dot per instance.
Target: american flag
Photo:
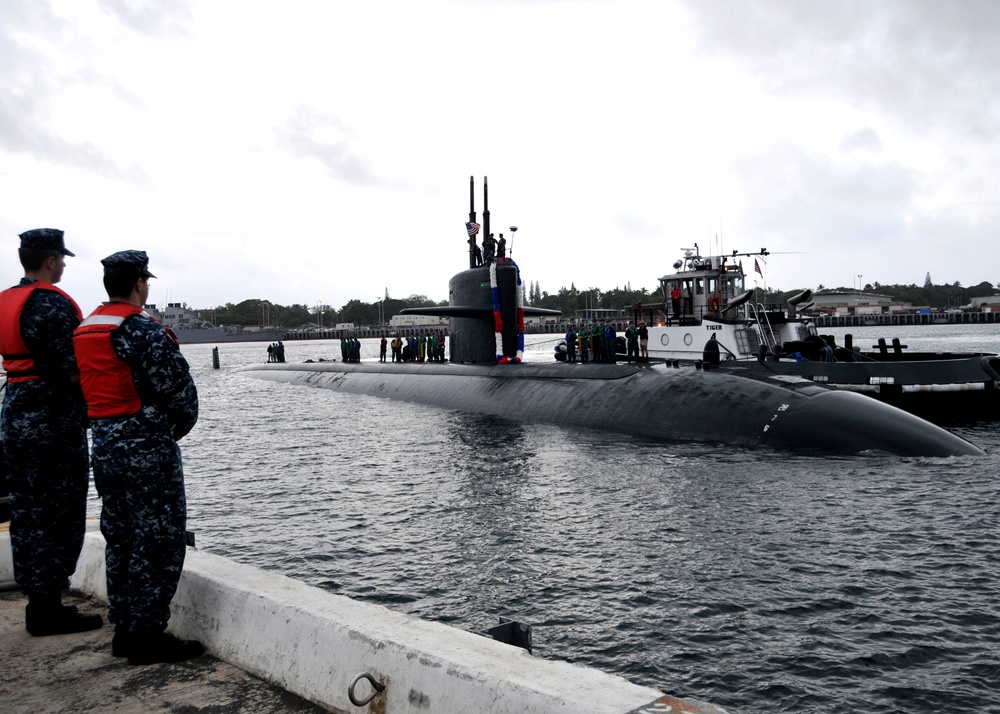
(473, 228)
(756, 268)
(741, 270)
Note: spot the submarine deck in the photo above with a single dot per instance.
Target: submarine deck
(547, 370)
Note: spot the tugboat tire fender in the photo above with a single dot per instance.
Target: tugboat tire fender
(991, 365)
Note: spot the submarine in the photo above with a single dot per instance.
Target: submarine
(669, 401)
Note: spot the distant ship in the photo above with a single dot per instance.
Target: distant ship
(190, 329)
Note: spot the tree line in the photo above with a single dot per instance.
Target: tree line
(294, 317)
(567, 300)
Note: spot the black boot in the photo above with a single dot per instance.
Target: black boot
(46, 615)
(121, 643)
(155, 647)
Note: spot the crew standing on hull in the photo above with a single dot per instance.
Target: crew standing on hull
(643, 342)
(141, 400)
(632, 342)
(583, 337)
(43, 433)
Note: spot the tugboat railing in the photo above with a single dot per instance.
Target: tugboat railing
(755, 312)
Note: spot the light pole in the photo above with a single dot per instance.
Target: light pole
(513, 230)
(859, 287)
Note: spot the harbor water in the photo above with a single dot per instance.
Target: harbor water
(756, 580)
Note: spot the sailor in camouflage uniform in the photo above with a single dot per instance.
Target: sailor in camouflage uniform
(141, 400)
(43, 434)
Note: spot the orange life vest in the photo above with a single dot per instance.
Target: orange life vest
(18, 362)
(106, 380)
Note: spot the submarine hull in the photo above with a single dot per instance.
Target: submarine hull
(657, 402)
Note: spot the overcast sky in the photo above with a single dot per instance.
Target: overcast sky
(319, 150)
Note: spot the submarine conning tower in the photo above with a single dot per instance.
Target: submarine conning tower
(474, 337)
(485, 302)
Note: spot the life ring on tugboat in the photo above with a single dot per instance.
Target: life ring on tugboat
(714, 303)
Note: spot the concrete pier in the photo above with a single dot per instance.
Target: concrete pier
(76, 673)
(307, 642)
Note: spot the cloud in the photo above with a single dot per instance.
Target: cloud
(159, 18)
(313, 135)
(31, 83)
(866, 139)
(19, 138)
(810, 200)
(928, 64)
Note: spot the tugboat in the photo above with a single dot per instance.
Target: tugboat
(706, 299)
(708, 315)
(664, 402)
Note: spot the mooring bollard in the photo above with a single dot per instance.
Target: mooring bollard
(215, 358)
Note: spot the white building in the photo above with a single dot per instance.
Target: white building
(853, 302)
(418, 321)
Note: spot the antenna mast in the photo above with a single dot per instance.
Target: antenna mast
(472, 219)
(486, 213)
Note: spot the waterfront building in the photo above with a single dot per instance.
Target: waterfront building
(854, 302)
(418, 321)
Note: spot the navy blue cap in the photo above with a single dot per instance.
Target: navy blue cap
(45, 239)
(133, 261)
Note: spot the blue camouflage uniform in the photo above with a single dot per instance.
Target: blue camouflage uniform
(43, 433)
(139, 476)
